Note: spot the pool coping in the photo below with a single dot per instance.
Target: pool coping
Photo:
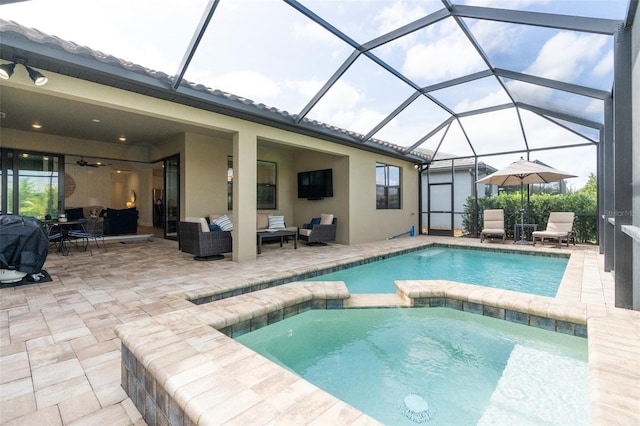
(183, 367)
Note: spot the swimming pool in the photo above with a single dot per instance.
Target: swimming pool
(468, 369)
(525, 273)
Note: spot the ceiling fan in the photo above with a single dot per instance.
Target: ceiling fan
(83, 163)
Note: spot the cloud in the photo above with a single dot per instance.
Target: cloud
(507, 4)
(337, 106)
(566, 55)
(445, 58)
(306, 88)
(314, 32)
(397, 14)
(485, 34)
(498, 97)
(605, 66)
(250, 84)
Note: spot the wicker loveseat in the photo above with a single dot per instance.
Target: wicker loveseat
(204, 245)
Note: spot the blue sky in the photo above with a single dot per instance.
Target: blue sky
(268, 52)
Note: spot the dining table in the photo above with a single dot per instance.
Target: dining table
(65, 228)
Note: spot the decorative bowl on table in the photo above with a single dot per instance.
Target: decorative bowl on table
(62, 218)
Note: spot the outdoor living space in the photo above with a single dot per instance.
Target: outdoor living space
(61, 358)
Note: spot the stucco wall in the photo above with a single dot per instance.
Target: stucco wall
(204, 162)
(338, 205)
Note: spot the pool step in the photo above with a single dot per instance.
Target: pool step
(538, 387)
(375, 300)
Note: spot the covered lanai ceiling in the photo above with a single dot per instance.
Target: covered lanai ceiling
(454, 78)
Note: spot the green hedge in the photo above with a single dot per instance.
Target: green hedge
(582, 204)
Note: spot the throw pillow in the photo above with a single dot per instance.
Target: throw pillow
(326, 219)
(213, 227)
(276, 222)
(315, 221)
(224, 223)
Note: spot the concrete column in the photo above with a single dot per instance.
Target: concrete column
(622, 117)
(245, 157)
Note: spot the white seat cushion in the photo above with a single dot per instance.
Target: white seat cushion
(549, 234)
(493, 231)
(305, 232)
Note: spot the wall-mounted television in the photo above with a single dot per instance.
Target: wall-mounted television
(315, 184)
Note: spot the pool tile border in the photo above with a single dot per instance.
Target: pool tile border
(182, 368)
(490, 307)
(204, 296)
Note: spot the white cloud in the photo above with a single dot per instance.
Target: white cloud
(565, 56)
(447, 57)
(314, 32)
(250, 84)
(306, 88)
(504, 4)
(498, 97)
(485, 34)
(605, 66)
(365, 120)
(397, 14)
(595, 108)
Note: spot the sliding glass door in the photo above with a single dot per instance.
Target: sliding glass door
(171, 197)
(30, 183)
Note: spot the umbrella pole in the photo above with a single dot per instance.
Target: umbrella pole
(522, 241)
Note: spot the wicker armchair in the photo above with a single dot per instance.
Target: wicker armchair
(203, 245)
(319, 234)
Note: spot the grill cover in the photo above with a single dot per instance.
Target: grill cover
(24, 244)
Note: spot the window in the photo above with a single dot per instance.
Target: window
(266, 178)
(29, 183)
(387, 186)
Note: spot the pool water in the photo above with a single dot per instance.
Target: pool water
(540, 275)
(467, 369)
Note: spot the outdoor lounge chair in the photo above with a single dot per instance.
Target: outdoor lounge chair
(319, 233)
(559, 228)
(209, 245)
(493, 226)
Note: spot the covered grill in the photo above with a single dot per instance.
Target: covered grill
(24, 246)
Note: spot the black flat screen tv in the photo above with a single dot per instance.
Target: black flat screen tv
(315, 184)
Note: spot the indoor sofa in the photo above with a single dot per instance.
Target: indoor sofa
(122, 221)
(116, 221)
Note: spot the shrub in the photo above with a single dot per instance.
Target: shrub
(583, 204)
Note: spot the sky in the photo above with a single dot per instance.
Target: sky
(267, 51)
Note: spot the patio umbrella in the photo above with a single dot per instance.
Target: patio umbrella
(523, 172)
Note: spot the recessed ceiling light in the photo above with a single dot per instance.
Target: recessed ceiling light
(96, 120)
(36, 126)
(122, 139)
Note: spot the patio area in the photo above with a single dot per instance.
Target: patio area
(61, 360)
